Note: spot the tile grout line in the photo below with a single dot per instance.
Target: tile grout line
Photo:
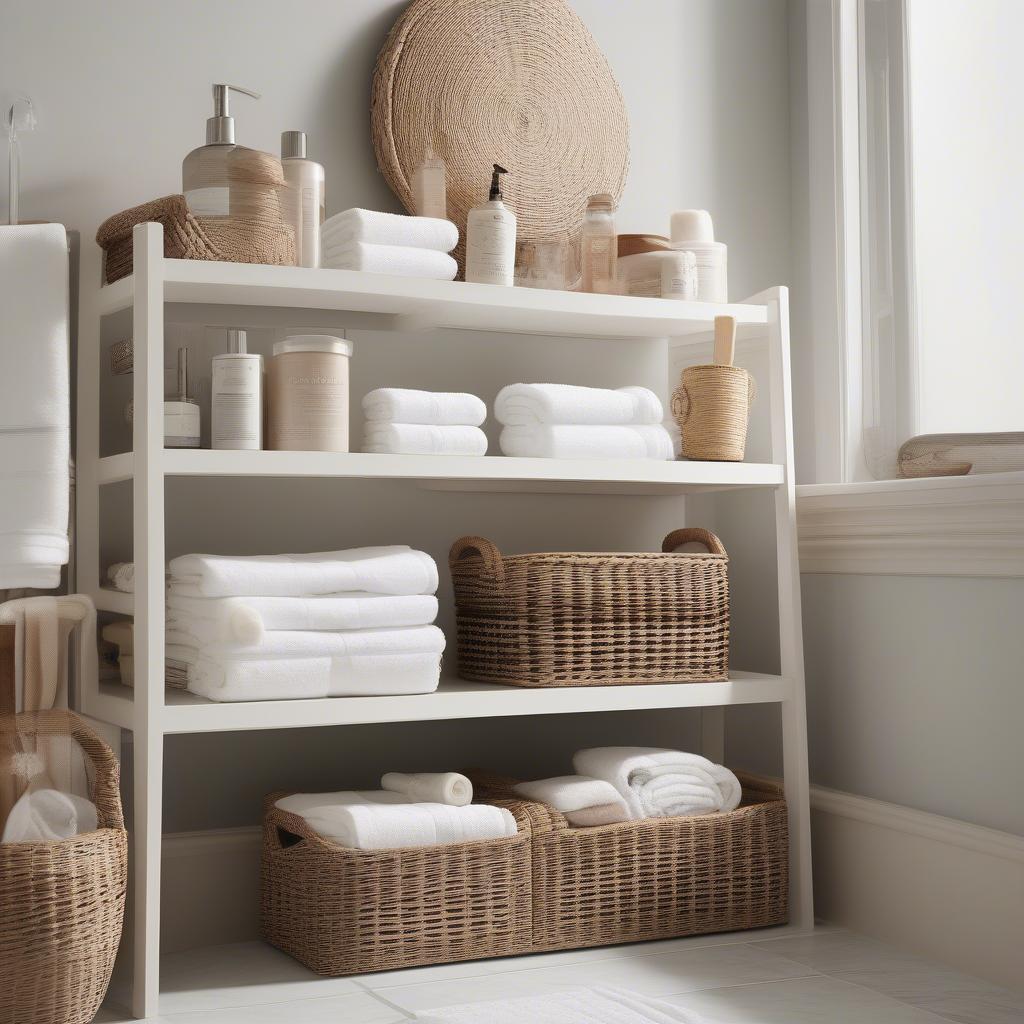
(837, 976)
(406, 1015)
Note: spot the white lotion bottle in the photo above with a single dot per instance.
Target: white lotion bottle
(491, 238)
(304, 200)
(236, 401)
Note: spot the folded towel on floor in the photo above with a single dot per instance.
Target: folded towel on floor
(435, 408)
(659, 783)
(35, 411)
(569, 793)
(365, 821)
(395, 569)
(48, 816)
(579, 442)
(243, 620)
(430, 787)
(376, 662)
(520, 405)
(420, 439)
(397, 260)
(570, 1006)
(121, 576)
(378, 228)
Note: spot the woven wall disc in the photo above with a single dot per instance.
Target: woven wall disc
(520, 83)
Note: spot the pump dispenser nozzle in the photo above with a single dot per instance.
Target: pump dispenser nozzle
(496, 183)
(220, 129)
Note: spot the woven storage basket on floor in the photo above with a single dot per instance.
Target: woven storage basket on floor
(186, 237)
(62, 903)
(658, 878)
(592, 619)
(342, 911)
(517, 82)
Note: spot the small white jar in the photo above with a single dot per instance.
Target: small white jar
(307, 391)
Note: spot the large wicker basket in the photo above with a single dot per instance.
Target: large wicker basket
(657, 878)
(341, 911)
(62, 903)
(585, 619)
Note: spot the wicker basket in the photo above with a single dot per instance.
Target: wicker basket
(62, 903)
(658, 878)
(341, 911)
(711, 406)
(583, 619)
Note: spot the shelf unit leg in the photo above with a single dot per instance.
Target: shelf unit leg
(148, 539)
(791, 650)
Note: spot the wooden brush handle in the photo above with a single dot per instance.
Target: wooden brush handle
(725, 340)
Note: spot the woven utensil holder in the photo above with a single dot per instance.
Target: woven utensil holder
(711, 406)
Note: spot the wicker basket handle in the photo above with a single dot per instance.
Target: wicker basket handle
(692, 534)
(485, 549)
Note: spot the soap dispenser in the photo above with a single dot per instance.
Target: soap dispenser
(205, 173)
(491, 238)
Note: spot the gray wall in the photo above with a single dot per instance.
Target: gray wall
(122, 94)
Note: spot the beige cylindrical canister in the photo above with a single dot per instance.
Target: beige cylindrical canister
(711, 406)
(307, 394)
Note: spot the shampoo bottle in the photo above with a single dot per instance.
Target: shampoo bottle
(236, 400)
(491, 238)
(304, 199)
(181, 414)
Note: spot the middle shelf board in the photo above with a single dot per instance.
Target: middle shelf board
(455, 698)
(461, 472)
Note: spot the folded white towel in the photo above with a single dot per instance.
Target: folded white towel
(569, 1006)
(420, 439)
(377, 662)
(243, 620)
(35, 412)
(395, 569)
(519, 405)
(436, 408)
(365, 821)
(121, 576)
(568, 793)
(378, 228)
(48, 816)
(122, 633)
(591, 442)
(397, 260)
(660, 783)
(430, 787)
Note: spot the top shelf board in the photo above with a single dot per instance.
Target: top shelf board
(417, 304)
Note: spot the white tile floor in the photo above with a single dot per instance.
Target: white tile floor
(831, 977)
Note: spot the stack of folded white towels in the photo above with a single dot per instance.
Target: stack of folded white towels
(426, 809)
(562, 421)
(405, 422)
(328, 624)
(388, 243)
(629, 783)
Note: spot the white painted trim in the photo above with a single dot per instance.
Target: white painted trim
(934, 827)
(945, 889)
(944, 526)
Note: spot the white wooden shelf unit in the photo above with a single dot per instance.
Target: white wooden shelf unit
(219, 293)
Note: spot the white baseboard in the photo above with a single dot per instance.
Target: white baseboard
(951, 891)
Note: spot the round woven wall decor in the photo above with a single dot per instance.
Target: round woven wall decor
(520, 83)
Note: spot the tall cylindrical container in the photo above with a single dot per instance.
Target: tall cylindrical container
(236, 400)
(304, 199)
(307, 393)
(600, 246)
(693, 231)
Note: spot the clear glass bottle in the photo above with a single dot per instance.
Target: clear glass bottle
(599, 245)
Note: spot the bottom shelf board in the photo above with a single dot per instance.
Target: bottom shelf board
(455, 698)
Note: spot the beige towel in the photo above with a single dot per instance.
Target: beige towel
(599, 814)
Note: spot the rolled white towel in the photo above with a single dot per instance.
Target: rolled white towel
(435, 408)
(396, 569)
(419, 439)
(242, 621)
(660, 783)
(591, 442)
(363, 821)
(520, 405)
(430, 787)
(568, 793)
(358, 225)
(396, 260)
(49, 816)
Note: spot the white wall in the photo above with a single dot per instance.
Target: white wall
(122, 90)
